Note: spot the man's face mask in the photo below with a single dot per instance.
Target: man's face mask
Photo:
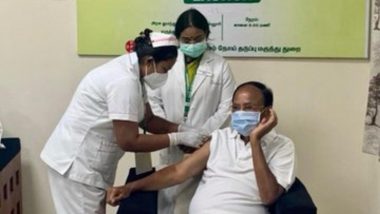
(245, 121)
(193, 50)
(155, 79)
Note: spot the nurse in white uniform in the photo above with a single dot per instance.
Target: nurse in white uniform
(197, 94)
(102, 122)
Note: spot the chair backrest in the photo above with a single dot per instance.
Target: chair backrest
(295, 201)
(13, 147)
(10, 176)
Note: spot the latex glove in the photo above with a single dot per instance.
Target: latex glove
(183, 127)
(190, 138)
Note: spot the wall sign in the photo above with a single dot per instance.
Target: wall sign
(239, 28)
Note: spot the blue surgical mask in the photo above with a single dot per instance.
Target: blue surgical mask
(245, 121)
(193, 50)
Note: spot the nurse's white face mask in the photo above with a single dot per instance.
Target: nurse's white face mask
(155, 79)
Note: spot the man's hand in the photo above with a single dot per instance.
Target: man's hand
(115, 194)
(265, 125)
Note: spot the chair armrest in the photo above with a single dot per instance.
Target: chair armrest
(295, 201)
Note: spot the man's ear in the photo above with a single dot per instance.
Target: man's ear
(265, 112)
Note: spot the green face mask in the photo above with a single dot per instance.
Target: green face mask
(193, 50)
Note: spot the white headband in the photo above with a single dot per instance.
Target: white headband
(161, 39)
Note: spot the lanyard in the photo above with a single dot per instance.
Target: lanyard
(190, 73)
(188, 86)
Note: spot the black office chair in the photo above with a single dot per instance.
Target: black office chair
(140, 202)
(295, 201)
(10, 176)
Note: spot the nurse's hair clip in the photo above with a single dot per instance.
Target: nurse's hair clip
(146, 35)
(130, 46)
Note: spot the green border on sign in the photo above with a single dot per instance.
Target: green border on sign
(219, 1)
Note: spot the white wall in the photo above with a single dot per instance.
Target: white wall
(320, 103)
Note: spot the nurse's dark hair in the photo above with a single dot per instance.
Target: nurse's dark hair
(143, 47)
(191, 18)
(265, 91)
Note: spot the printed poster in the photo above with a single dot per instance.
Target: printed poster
(239, 28)
(371, 143)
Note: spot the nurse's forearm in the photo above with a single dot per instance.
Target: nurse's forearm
(146, 143)
(128, 138)
(159, 125)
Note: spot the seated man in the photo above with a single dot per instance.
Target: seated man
(245, 166)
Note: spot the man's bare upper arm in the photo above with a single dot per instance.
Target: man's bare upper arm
(196, 162)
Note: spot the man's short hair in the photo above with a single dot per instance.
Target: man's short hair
(265, 91)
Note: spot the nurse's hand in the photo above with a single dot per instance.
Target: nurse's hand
(190, 138)
(115, 194)
(183, 127)
(189, 150)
